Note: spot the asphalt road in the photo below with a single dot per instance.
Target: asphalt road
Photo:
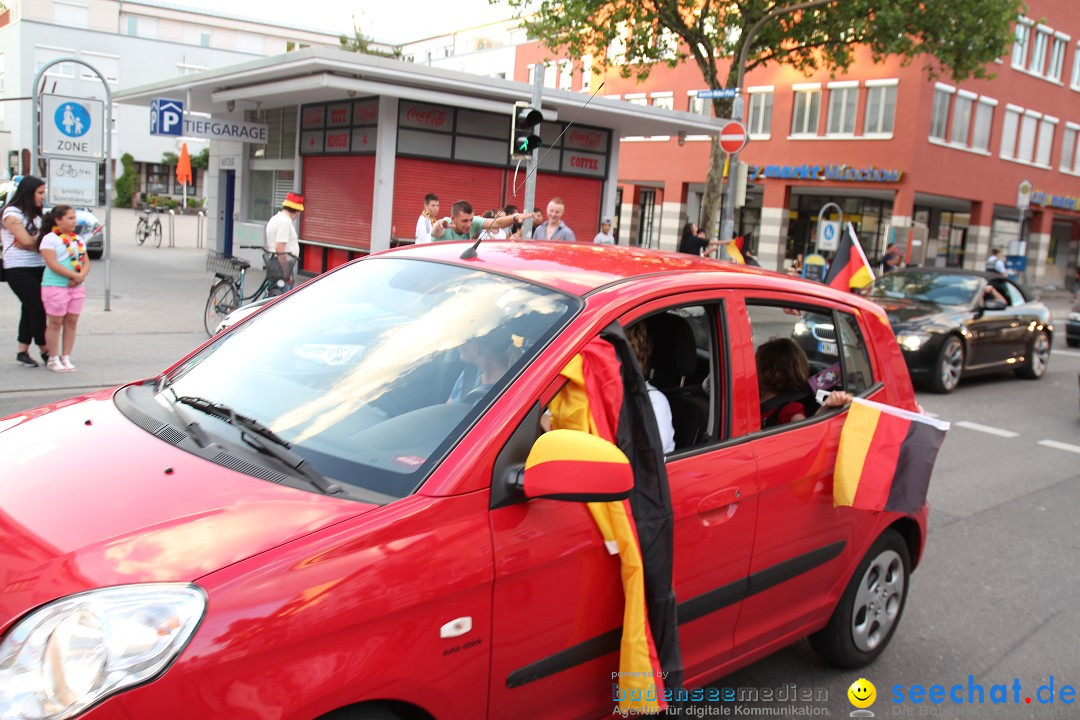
(995, 595)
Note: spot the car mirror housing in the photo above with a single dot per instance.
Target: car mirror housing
(578, 467)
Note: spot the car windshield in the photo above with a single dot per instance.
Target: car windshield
(374, 371)
(937, 288)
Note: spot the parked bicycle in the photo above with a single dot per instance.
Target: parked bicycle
(227, 290)
(144, 228)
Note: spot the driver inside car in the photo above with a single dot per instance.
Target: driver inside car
(487, 359)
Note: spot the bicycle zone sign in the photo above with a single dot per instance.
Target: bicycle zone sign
(72, 182)
(72, 127)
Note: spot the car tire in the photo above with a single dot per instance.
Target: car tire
(363, 712)
(95, 254)
(1038, 358)
(949, 366)
(870, 609)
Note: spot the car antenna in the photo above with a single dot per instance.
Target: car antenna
(470, 252)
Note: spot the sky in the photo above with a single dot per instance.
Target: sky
(390, 21)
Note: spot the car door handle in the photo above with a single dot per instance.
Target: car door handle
(719, 505)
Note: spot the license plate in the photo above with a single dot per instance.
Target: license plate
(826, 348)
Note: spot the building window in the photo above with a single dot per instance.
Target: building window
(1057, 57)
(1038, 50)
(586, 73)
(143, 27)
(1025, 145)
(698, 106)
(551, 75)
(663, 100)
(250, 43)
(843, 104)
(183, 69)
(280, 133)
(71, 14)
(961, 119)
(1070, 157)
(804, 117)
(984, 120)
(880, 108)
(566, 74)
(636, 98)
(759, 115)
(43, 55)
(157, 179)
(1023, 37)
(1009, 130)
(1045, 143)
(939, 115)
(1075, 82)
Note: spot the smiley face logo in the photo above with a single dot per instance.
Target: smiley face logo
(862, 693)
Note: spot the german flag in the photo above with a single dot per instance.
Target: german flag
(886, 457)
(850, 268)
(734, 250)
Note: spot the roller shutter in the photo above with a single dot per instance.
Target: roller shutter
(582, 197)
(338, 194)
(414, 178)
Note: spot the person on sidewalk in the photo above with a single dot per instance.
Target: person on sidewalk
(604, 237)
(994, 263)
(281, 238)
(555, 228)
(427, 218)
(23, 266)
(63, 289)
(462, 225)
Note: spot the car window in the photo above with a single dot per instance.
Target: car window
(798, 353)
(935, 287)
(1010, 292)
(374, 371)
(858, 375)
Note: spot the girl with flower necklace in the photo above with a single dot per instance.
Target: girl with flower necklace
(63, 291)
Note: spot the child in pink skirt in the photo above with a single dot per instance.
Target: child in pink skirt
(63, 289)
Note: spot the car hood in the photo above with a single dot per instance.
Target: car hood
(88, 499)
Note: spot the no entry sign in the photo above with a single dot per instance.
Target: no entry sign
(733, 137)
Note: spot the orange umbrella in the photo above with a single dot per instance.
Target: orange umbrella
(183, 167)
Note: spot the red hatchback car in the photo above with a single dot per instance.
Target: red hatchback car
(320, 512)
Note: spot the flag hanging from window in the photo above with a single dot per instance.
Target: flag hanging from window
(734, 250)
(850, 268)
(886, 457)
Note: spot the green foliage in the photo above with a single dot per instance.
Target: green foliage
(358, 42)
(195, 202)
(127, 185)
(201, 161)
(169, 158)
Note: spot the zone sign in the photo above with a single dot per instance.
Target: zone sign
(72, 127)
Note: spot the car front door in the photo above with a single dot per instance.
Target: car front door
(990, 330)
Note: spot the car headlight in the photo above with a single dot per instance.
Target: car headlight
(912, 341)
(1074, 317)
(800, 328)
(69, 654)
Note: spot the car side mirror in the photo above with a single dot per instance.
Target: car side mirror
(576, 466)
(994, 304)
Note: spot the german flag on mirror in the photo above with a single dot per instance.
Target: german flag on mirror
(886, 457)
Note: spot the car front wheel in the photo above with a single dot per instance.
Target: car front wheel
(949, 366)
(869, 611)
(1038, 358)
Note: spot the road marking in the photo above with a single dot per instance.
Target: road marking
(1070, 353)
(986, 429)
(1060, 445)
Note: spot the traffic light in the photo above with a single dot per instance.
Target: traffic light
(523, 137)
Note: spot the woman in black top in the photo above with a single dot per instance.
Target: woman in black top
(693, 240)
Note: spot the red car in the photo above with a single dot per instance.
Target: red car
(321, 512)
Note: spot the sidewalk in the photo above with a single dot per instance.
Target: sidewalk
(158, 299)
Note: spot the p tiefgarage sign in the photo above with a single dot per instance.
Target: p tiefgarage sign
(165, 117)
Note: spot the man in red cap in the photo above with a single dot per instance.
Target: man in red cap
(281, 237)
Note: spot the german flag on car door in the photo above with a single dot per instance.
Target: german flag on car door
(886, 457)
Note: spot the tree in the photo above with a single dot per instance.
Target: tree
(169, 158)
(200, 161)
(358, 42)
(957, 37)
(127, 185)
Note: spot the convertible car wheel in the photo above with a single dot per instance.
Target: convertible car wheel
(1038, 358)
(949, 366)
(869, 611)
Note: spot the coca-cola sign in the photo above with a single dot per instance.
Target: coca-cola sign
(426, 116)
(366, 111)
(586, 139)
(313, 117)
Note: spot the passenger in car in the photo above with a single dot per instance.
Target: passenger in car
(992, 293)
(783, 376)
(641, 342)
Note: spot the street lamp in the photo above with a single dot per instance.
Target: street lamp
(727, 227)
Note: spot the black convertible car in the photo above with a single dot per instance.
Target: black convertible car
(952, 322)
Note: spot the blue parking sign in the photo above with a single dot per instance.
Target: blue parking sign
(166, 117)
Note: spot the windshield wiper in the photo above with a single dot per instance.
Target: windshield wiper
(264, 440)
(197, 433)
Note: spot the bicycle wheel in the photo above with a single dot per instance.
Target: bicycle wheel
(157, 233)
(223, 300)
(141, 231)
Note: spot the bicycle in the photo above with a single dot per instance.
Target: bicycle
(144, 228)
(227, 290)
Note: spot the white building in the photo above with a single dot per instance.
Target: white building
(131, 42)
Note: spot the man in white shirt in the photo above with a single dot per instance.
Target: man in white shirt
(427, 217)
(604, 237)
(281, 237)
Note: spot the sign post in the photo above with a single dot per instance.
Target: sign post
(74, 129)
(828, 231)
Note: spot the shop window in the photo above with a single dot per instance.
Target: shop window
(280, 136)
(804, 117)
(265, 192)
(1070, 158)
(961, 117)
(157, 179)
(843, 104)
(880, 108)
(1043, 145)
(1009, 129)
(759, 115)
(984, 119)
(939, 115)
(1020, 45)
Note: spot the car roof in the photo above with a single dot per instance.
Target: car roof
(574, 268)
